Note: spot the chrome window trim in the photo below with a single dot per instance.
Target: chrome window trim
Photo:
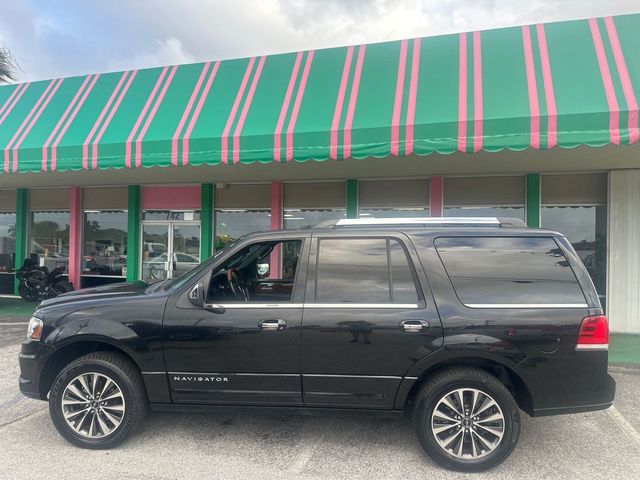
(526, 305)
(315, 306)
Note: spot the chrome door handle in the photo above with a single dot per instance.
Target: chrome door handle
(272, 325)
(414, 326)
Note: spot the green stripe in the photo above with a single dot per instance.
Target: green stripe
(533, 200)
(22, 216)
(133, 233)
(207, 194)
(352, 198)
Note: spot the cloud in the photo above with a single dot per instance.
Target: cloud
(71, 37)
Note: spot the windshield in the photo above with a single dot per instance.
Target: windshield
(177, 282)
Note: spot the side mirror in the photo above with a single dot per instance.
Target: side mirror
(196, 294)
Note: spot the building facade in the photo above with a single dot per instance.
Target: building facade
(142, 174)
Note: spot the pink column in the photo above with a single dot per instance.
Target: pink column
(277, 215)
(75, 236)
(436, 196)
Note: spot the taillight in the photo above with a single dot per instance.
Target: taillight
(594, 333)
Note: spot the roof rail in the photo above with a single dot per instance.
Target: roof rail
(424, 222)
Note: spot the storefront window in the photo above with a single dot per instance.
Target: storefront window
(49, 233)
(310, 217)
(186, 215)
(105, 243)
(586, 228)
(234, 223)
(395, 212)
(502, 211)
(7, 251)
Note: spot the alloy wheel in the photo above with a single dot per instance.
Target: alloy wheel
(93, 405)
(467, 423)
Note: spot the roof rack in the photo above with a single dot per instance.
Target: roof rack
(425, 222)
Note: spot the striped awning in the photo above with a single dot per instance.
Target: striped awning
(540, 86)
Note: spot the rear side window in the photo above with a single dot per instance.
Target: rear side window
(364, 270)
(502, 271)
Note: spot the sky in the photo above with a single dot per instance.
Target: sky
(71, 37)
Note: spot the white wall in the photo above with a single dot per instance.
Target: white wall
(623, 292)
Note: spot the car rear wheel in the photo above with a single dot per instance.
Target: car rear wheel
(466, 419)
(98, 400)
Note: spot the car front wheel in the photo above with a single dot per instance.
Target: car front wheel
(98, 400)
(466, 419)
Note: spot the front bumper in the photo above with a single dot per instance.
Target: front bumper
(32, 358)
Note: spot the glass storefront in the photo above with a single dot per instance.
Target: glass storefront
(7, 251)
(231, 224)
(104, 252)
(484, 197)
(393, 212)
(510, 212)
(49, 238)
(310, 217)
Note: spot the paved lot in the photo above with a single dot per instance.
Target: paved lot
(601, 445)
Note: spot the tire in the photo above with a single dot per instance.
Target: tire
(435, 435)
(62, 286)
(99, 430)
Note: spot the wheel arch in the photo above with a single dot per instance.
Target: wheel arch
(505, 374)
(65, 354)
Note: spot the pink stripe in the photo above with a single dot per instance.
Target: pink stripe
(627, 87)
(297, 103)
(397, 103)
(477, 92)
(15, 101)
(85, 144)
(224, 150)
(143, 113)
(245, 110)
(54, 149)
(534, 110)
(26, 124)
(337, 112)
(186, 112)
(436, 190)
(23, 124)
(413, 95)
(552, 118)
(352, 103)
(94, 145)
(614, 111)
(196, 114)
(7, 104)
(152, 115)
(45, 147)
(462, 95)
(285, 107)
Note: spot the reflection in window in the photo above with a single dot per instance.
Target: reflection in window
(234, 223)
(586, 228)
(105, 242)
(363, 270)
(295, 218)
(393, 212)
(50, 238)
(7, 251)
(186, 215)
(486, 211)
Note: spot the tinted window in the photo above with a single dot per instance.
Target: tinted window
(509, 270)
(363, 270)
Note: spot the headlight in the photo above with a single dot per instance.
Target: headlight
(34, 330)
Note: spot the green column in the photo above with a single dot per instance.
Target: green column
(133, 233)
(352, 198)
(207, 228)
(532, 206)
(22, 227)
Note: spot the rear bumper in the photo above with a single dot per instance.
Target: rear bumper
(599, 399)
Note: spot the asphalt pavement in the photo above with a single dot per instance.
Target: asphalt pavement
(599, 445)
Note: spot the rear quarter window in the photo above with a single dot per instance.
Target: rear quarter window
(488, 271)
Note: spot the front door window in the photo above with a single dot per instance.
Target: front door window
(169, 249)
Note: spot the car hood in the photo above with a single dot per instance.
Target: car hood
(113, 291)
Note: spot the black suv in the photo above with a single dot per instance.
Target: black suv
(461, 323)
